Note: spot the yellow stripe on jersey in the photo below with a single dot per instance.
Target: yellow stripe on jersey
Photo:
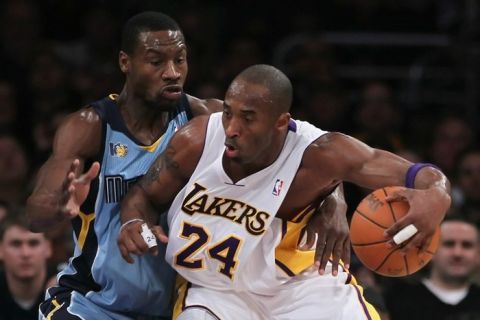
(86, 219)
(150, 148)
(57, 306)
(153, 146)
(291, 260)
(370, 312)
(181, 286)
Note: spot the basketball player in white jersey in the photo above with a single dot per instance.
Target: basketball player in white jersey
(242, 183)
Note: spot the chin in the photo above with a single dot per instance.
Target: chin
(163, 104)
(26, 276)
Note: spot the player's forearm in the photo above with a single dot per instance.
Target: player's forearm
(43, 212)
(136, 205)
(434, 180)
(44, 205)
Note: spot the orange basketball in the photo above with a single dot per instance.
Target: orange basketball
(369, 222)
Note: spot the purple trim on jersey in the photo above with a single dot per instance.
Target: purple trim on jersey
(284, 268)
(349, 278)
(412, 173)
(362, 302)
(184, 302)
(306, 211)
(292, 125)
(199, 306)
(284, 228)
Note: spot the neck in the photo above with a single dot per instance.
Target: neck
(26, 289)
(448, 283)
(237, 170)
(146, 122)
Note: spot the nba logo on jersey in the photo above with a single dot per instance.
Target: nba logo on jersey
(277, 187)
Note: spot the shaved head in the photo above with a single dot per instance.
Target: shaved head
(275, 81)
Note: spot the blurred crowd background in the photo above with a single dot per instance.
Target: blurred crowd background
(399, 75)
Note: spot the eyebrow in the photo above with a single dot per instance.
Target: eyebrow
(157, 51)
(248, 111)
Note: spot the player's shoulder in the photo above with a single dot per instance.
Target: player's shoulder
(86, 116)
(194, 130)
(81, 131)
(326, 149)
(204, 106)
(333, 142)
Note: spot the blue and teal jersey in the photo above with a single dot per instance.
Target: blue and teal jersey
(97, 269)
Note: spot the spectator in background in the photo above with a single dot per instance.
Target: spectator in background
(13, 170)
(241, 52)
(378, 118)
(93, 57)
(24, 255)
(20, 35)
(326, 108)
(466, 189)
(3, 210)
(447, 293)
(8, 106)
(452, 136)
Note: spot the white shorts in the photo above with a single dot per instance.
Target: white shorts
(305, 296)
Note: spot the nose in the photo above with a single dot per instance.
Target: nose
(25, 250)
(232, 128)
(171, 72)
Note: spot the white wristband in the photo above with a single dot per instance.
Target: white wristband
(405, 234)
(148, 236)
(128, 222)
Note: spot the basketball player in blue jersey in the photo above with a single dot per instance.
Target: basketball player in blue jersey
(117, 139)
(241, 181)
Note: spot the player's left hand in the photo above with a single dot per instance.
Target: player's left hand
(329, 223)
(427, 210)
(132, 241)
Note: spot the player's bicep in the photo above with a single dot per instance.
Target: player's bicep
(369, 167)
(174, 166)
(78, 137)
(164, 178)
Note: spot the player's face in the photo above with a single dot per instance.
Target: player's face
(248, 123)
(457, 253)
(24, 253)
(157, 69)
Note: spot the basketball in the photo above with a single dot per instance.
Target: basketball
(371, 218)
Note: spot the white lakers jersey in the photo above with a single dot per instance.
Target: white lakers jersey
(223, 235)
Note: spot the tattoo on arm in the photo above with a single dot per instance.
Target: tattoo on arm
(164, 162)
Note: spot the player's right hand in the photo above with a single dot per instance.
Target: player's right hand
(329, 223)
(76, 188)
(130, 240)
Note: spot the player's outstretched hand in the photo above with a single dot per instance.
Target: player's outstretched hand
(137, 238)
(427, 209)
(76, 188)
(329, 224)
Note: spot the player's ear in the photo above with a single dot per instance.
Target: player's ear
(124, 62)
(283, 120)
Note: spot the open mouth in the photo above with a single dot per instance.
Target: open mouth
(172, 92)
(230, 150)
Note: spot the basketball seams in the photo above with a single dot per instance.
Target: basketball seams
(370, 219)
(405, 262)
(386, 258)
(390, 206)
(368, 243)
